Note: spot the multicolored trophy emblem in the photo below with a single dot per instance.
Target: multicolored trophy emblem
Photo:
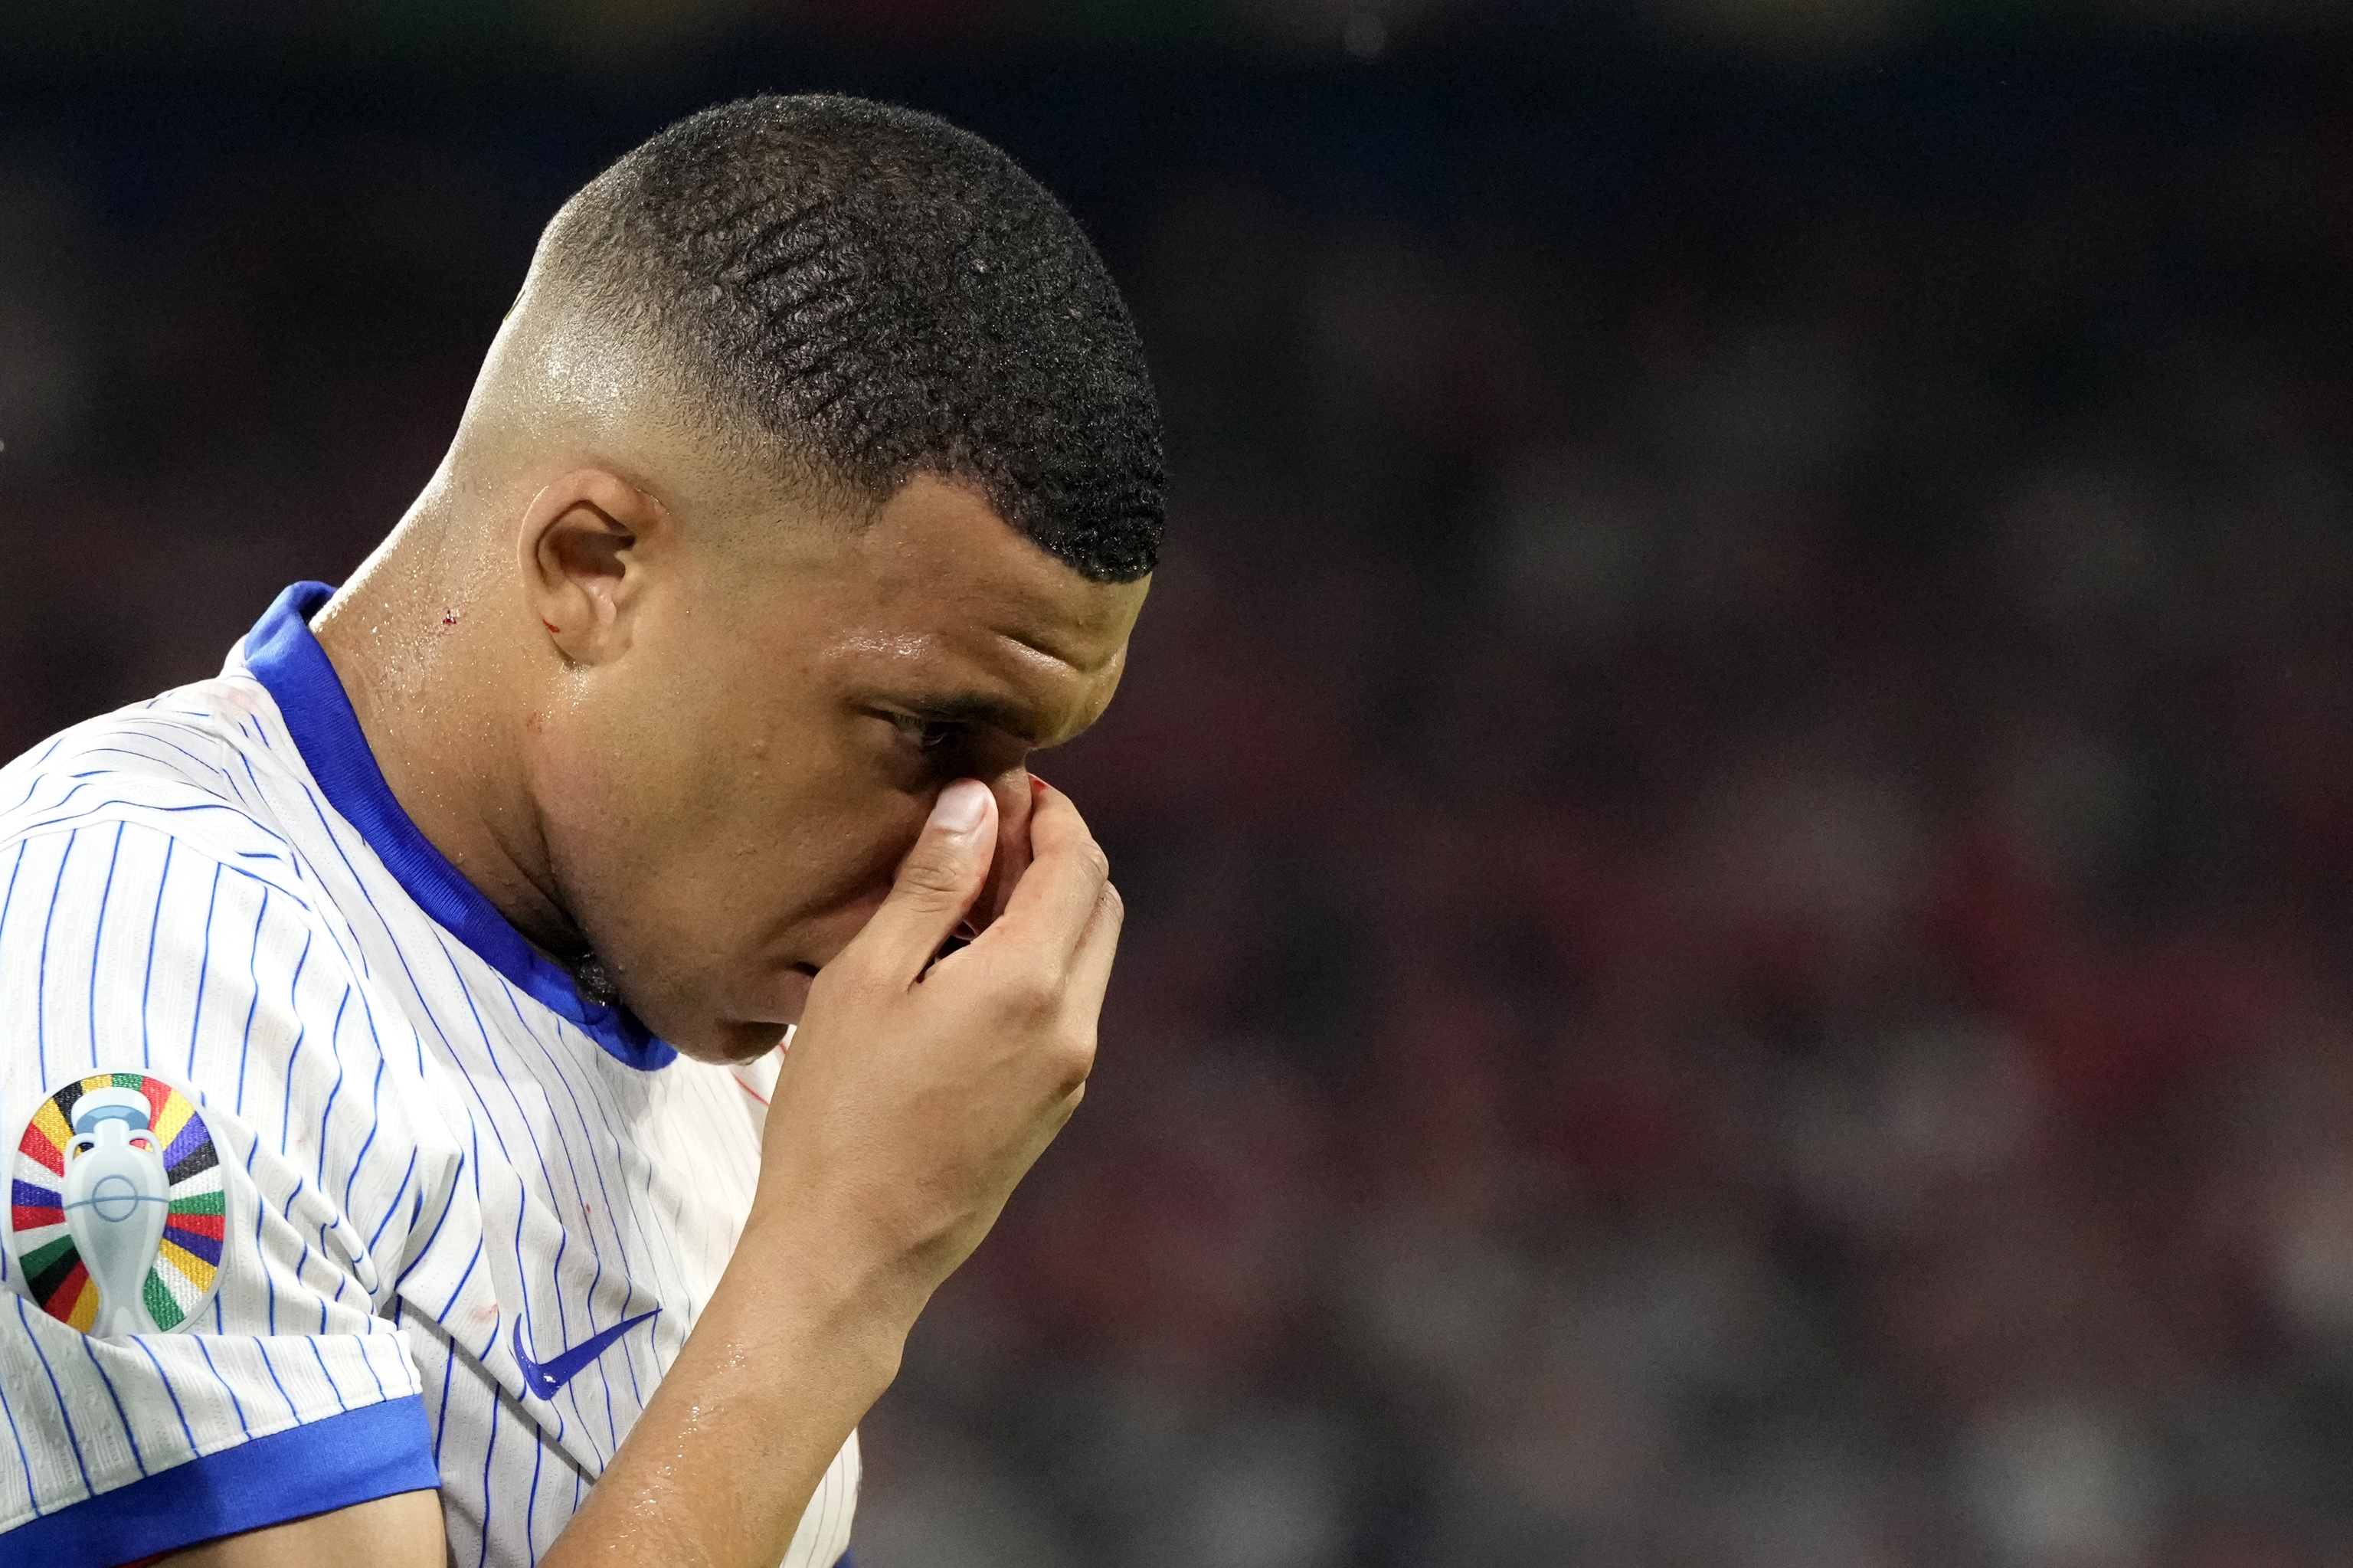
(119, 1206)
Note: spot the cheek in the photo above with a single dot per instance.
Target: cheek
(784, 863)
(665, 767)
(832, 867)
(636, 833)
(757, 838)
(847, 857)
(592, 796)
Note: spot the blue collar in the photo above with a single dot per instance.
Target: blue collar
(288, 661)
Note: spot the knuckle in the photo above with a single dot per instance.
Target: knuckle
(1074, 1060)
(1030, 998)
(932, 878)
(929, 870)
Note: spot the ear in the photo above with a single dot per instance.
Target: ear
(584, 543)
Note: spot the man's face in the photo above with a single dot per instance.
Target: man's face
(725, 802)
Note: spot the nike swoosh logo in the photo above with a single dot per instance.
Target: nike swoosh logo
(543, 1378)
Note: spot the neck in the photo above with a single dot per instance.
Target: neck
(419, 637)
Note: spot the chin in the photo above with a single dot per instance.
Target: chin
(725, 1044)
(789, 995)
(780, 1003)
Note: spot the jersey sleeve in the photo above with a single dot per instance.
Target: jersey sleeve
(212, 1180)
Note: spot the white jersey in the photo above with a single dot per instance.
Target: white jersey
(324, 1184)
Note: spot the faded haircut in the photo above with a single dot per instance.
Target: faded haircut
(882, 294)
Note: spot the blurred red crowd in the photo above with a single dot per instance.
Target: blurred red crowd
(1736, 812)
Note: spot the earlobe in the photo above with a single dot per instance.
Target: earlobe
(581, 562)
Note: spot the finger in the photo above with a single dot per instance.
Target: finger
(1089, 974)
(1016, 793)
(936, 884)
(1056, 896)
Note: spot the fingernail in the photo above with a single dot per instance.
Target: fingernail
(961, 806)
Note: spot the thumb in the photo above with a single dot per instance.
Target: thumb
(936, 883)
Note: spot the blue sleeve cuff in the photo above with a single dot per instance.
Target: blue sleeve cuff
(373, 1452)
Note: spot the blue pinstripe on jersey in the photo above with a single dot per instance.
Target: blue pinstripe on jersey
(24, 1460)
(115, 1399)
(164, 1381)
(105, 896)
(203, 970)
(64, 1417)
(41, 975)
(228, 1387)
(147, 974)
(253, 1007)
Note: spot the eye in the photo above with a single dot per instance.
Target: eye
(142, 1141)
(83, 1146)
(924, 735)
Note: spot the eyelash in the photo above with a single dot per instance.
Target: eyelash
(925, 735)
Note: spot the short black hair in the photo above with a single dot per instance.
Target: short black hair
(886, 295)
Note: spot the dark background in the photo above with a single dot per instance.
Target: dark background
(1737, 797)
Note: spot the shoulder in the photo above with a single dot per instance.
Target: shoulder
(193, 766)
(161, 914)
(154, 882)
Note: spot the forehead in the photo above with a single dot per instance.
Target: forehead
(938, 598)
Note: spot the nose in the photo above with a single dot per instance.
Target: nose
(1014, 798)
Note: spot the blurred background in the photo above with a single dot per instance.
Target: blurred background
(1737, 797)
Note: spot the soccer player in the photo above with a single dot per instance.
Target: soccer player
(403, 1162)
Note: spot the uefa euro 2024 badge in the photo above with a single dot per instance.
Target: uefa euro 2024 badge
(119, 1206)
